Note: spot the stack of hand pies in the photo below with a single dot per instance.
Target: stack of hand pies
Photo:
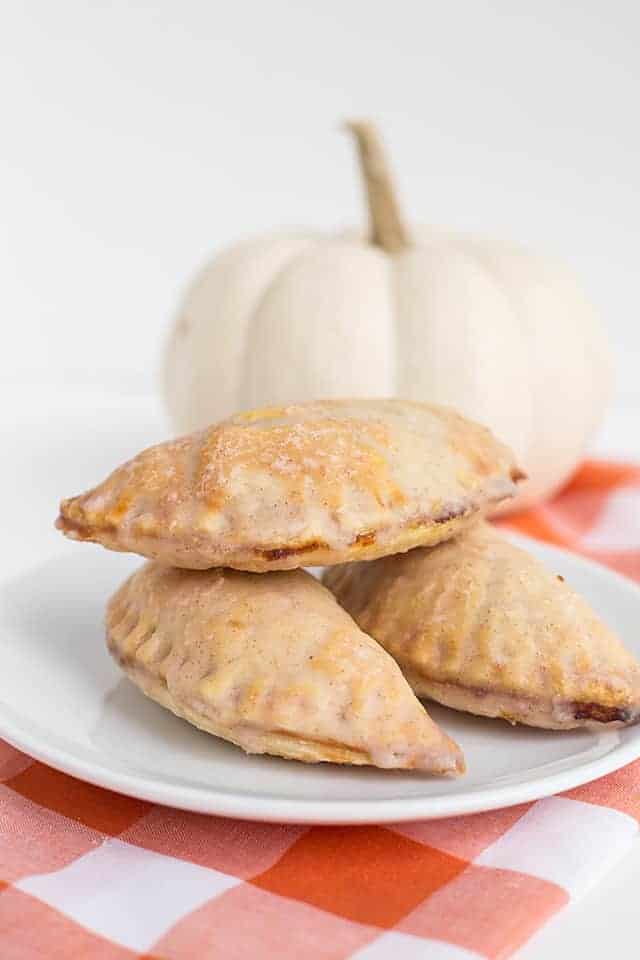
(422, 597)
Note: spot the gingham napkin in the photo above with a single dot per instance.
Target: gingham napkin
(87, 874)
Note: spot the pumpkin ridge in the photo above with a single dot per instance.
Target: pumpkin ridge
(257, 307)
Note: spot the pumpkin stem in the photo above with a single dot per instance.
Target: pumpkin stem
(387, 228)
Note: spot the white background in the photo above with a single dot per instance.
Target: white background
(140, 137)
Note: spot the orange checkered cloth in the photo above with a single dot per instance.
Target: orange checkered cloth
(89, 874)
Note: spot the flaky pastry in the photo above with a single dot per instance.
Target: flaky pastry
(273, 664)
(480, 625)
(313, 484)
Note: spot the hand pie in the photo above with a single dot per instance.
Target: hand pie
(314, 484)
(274, 665)
(479, 625)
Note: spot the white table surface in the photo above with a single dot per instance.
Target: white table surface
(42, 462)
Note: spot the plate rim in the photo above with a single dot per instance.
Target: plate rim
(278, 809)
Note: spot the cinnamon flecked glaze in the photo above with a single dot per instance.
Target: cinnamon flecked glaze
(310, 484)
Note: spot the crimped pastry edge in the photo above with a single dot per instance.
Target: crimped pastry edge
(552, 714)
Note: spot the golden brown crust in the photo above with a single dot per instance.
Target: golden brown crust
(480, 625)
(314, 484)
(273, 664)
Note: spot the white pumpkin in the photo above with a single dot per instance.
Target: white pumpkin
(505, 336)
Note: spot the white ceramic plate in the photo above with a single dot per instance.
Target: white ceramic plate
(63, 701)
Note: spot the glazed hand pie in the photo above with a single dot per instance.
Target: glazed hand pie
(313, 484)
(274, 665)
(479, 625)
